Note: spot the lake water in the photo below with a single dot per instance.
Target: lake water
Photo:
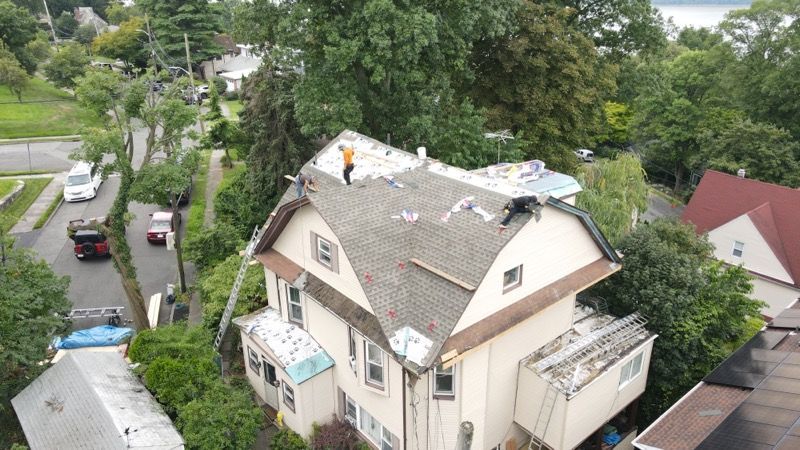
(696, 15)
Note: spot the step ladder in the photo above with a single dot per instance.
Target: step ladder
(543, 419)
(237, 285)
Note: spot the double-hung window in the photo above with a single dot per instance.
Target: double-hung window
(374, 364)
(738, 249)
(368, 425)
(295, 307)
(324, 252)
(288, 396)
(631, 370)
(444, 382)
(252, 359)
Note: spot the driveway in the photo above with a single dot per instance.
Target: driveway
(658, 206)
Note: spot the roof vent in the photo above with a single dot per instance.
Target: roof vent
(422, 152)
(741, 173)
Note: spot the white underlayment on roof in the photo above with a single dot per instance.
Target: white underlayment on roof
(290, 343)
(371, 160)
(411, 344)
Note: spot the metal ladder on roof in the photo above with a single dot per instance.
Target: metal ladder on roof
(543, 419)
(237, 285)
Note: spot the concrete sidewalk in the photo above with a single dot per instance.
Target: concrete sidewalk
(40, 205)
(213, 179)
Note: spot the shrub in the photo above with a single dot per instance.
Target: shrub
(173, 341)
(231, 95)
(176, 382)
(212, 245)
(216, 285)
(286, 439)
(334, 435)
(224, 418)
(220, 84)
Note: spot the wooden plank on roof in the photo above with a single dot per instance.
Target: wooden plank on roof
(443, 274)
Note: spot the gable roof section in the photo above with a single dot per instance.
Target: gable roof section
(774, 210)
(418, 275)
(88, 400)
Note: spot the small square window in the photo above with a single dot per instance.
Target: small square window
(738, 249)
(512, 278)
(631, 370)
(324, 252)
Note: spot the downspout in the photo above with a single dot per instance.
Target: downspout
(405, 430)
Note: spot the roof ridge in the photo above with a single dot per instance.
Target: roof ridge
(754, 180)
(778, 249)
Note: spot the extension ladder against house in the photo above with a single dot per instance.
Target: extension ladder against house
(237, 285)
(543, 419)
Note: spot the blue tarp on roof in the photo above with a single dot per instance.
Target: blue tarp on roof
(100, 336)
(309, 367)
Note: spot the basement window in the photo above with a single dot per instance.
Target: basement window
(738, 249)
(512, 279)
(631, 370)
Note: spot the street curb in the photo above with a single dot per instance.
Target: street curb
(33, 140)
(53, 214)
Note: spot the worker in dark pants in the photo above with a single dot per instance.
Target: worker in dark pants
(302, 182)
(347, 154)
(523, 204)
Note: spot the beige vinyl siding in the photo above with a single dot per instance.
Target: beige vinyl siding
(778, 296)
(295, 243)
(757, 256)
(332, 334)
(551, 249)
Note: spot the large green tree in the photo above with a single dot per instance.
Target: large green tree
(66, 65)
(170, 20)
(17, 28)
(695, 304)
(545, 79)
(33, 302)
(128, 43)
(12, 75)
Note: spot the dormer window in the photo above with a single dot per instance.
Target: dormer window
(512, 278)
(738, 249)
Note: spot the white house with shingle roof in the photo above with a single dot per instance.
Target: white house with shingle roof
(428, 318)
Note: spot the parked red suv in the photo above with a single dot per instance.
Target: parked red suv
(90, 243)
(160, 225)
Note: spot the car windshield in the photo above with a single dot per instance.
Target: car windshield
(77, 180)
(160, 225)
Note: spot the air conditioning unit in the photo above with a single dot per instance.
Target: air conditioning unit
(352, 361)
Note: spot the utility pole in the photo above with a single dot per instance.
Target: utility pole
(177, 226)
(50, 22)
(191, 79)
(150, 43)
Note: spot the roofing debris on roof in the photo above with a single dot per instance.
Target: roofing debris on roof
(301, 356)
(410, 343)
(594, 343)
(93, 400)
(371, 159)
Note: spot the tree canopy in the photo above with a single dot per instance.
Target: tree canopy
(17, 28)
(170, 20)
(128, 43)
(66, 65)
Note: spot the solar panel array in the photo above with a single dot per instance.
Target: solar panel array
(789, 318)
(751, 364)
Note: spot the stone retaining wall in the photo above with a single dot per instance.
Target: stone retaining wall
(6, 201)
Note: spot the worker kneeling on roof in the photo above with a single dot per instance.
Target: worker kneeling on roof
(523, 204)
(301, 183)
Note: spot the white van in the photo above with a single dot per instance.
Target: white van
(82, 182)
(584, 155)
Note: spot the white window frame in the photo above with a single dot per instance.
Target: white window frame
(328, 254)
(384, 432)
(298, 304)
(253, 360)
(288, 396)
(451, 372)
(740, 249)
(514, 284)
(369, 362)
(627, 374)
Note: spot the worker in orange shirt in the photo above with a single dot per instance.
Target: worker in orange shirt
(347, 154)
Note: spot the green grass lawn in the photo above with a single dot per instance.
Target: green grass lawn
(197, 205)
(234, 106)
(45, 111)
(6, 186)
(33, 187)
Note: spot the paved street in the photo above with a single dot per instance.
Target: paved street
(657, 207)
(94, 282)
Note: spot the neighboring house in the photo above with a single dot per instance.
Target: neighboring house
(754, 224)
(750, 401)
(211, 67)
(85, 15)
(236, 69)
(394, 306)
(92, 400)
